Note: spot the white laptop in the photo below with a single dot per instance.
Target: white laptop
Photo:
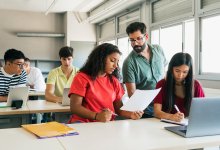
(204, 119)
(66, 99)
(16, 93)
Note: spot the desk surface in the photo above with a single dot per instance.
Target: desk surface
(36, 93)
(19, 139)
(43, 106)
(10, 111)
(143, 134)
(37, 106)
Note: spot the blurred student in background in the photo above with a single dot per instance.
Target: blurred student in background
(35, 78)
(96, 92)
(61, 77)
(178, 88)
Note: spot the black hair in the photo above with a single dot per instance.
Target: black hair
(177, 60)
(97, 59)
(27, 59)
(13, 54)
(136, 26)
(66, 51)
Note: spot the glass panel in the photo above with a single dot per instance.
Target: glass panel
(111, 42)
(125, 47)
(190, 38)
(127, 19)
(171, 40)
(210, 45)
(107, 29)
(155, 37)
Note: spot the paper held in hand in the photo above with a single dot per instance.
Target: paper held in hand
(140, 100)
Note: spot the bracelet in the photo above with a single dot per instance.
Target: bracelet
(95, 116)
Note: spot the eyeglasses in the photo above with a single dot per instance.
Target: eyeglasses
(138, 40)
(21, 66)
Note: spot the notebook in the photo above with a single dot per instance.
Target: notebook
(184, 122)
(16, 93)
(50, 129)
(204, 119)
(66, 99)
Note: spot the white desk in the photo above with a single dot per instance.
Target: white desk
(10, 118)
(143, 134)
(36, 93)
(43, 106)
(19, 139)
(61, 113)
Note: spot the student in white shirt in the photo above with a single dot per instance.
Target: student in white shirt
(35, 78)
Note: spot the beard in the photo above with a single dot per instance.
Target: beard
(138, 48)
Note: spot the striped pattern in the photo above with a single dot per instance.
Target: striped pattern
(6, 82)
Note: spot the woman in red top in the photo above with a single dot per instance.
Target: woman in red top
(95, 93)
(178, 89)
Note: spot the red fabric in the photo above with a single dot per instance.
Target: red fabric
(98, 94)
(198, 92)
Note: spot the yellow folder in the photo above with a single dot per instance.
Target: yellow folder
(49, 129)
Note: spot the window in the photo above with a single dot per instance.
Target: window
(155, 37)
(110, 41)
(125, 47)
(107, 29)
(210, 45)
(171, 40)
(125, 20)
(189, 46)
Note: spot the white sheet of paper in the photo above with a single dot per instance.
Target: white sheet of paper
(140, 100)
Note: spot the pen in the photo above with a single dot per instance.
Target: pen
(110, 111)
(177, 109)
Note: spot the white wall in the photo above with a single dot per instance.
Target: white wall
(34, 47)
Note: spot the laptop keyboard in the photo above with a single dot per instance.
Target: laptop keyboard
(183, 131)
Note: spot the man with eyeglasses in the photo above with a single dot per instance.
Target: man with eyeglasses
(145, 65)
(12, 73)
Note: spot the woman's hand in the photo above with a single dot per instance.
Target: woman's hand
(177, 117)
(104, 116)
(136, 115)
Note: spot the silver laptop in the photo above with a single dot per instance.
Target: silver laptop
(16, 93)
(66, 99)
(204, 119)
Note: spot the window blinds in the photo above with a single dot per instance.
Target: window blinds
(163, 10)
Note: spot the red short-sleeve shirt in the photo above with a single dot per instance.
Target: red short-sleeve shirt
(97, 94)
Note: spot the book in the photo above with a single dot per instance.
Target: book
(184, 122)
(50, 129)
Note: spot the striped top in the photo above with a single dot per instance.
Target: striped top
(7, 80)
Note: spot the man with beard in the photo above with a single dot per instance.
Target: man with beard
(145, 65)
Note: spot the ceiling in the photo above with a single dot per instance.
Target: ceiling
(50, 6)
